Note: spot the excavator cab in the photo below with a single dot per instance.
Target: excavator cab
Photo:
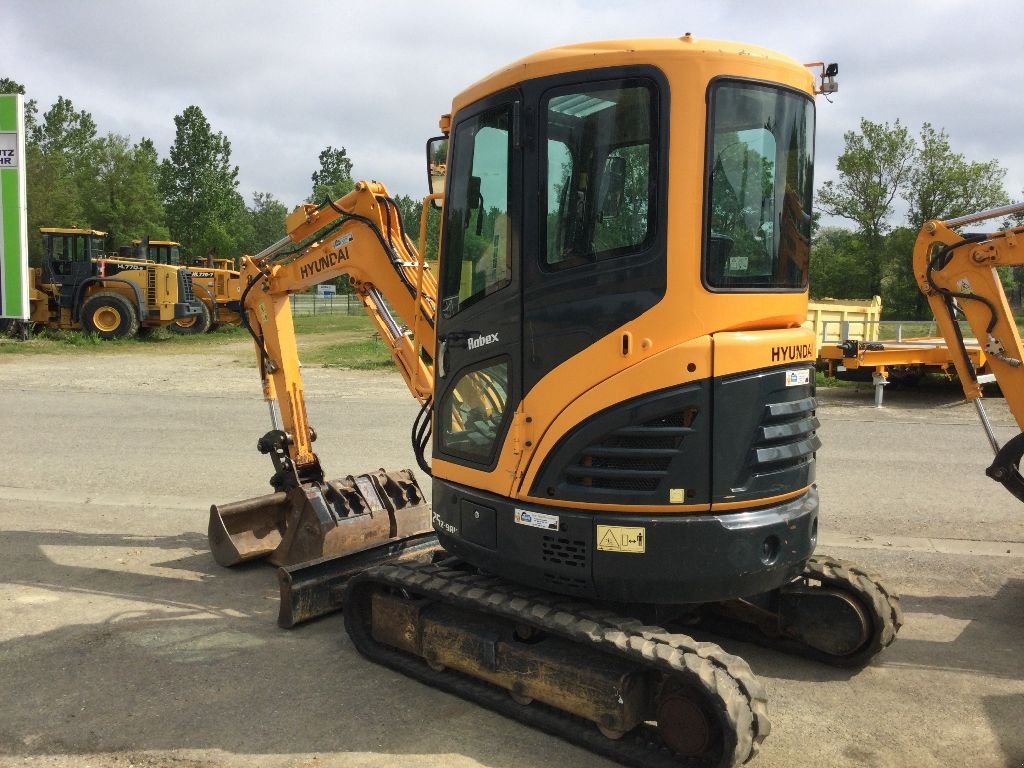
(559, 314)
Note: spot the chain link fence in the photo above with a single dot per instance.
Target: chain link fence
(313, 304)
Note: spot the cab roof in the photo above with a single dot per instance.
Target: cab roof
(71, 231)
(157, 242)
(612, 53)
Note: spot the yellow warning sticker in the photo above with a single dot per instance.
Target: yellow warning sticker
(620, 538)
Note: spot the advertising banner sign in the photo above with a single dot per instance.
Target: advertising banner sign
(13, 209)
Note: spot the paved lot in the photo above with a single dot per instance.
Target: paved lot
(121, 643)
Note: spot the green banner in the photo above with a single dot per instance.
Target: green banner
(13, 209)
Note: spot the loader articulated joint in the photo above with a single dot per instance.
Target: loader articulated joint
(1005, 466)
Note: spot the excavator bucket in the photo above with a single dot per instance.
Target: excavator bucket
(319, 520)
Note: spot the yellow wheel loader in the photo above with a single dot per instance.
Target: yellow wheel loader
(617, 396)
(79, 287)
(216, 282)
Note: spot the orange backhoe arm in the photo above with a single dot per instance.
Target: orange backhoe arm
(957, 272)
(359, 235)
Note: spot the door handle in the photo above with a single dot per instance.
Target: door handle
(442, 351)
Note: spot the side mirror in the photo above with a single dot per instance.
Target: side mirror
(437, 166)
(614, 184)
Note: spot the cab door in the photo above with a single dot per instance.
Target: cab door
(477, 370)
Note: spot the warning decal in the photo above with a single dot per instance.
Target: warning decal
(619, 538)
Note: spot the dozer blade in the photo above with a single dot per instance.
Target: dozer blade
(319, 519)
(316, 588)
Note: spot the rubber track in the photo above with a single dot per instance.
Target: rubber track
(880, 603)
(725, 679)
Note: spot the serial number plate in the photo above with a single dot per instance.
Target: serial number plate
(537, 519)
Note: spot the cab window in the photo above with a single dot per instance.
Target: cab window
(477, 227)
(599, 146)
(760, 165)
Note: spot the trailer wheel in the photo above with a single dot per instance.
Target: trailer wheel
(196, 324)
(110, 316)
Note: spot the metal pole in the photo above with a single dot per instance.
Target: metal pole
(272, 249)
(991, 213)
(989, 433)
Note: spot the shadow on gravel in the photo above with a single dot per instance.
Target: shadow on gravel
(1006, 713)
(991, 643)
(197, 662)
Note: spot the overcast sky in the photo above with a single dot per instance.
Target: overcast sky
(282, 80)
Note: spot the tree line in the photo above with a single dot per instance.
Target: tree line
(79, 177)
(884, 168)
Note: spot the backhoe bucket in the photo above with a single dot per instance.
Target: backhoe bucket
(321, 519)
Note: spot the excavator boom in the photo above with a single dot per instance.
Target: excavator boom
(957, 272)
(307, 518)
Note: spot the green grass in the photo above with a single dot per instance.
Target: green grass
(335, 341)
(359, 354)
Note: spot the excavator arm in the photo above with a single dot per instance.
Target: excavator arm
(361, 236)
(957, 272)
(307, 518)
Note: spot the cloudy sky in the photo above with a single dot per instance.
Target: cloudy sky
(282, 80)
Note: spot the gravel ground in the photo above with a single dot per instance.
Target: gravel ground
(123, 644)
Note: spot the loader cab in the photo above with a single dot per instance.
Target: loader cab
(68, 258)
(159, 251)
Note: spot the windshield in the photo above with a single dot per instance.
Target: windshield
(761, 165)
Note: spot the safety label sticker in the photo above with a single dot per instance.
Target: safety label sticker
(537, 519)
(798, 377)
(620, 538)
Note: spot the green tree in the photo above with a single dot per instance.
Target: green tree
(901, 298)
(840, 267)
(126, 202)
(334, 177)
(942, 184)
(7, 85)
(412, 210)
(267, 214)
(61, 155)
(873, 170)
(199, 187)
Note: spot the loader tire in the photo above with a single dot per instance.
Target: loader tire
(191, 326)
(110, 316)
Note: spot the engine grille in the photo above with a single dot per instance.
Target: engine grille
(185, 290)
(635, 457)
(786, 437)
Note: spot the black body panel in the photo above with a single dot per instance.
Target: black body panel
(693, 558)
(764, 435)
(636, 452)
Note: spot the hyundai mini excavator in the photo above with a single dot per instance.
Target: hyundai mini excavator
(618, 397)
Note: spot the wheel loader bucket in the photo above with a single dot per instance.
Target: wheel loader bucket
(320, 519)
